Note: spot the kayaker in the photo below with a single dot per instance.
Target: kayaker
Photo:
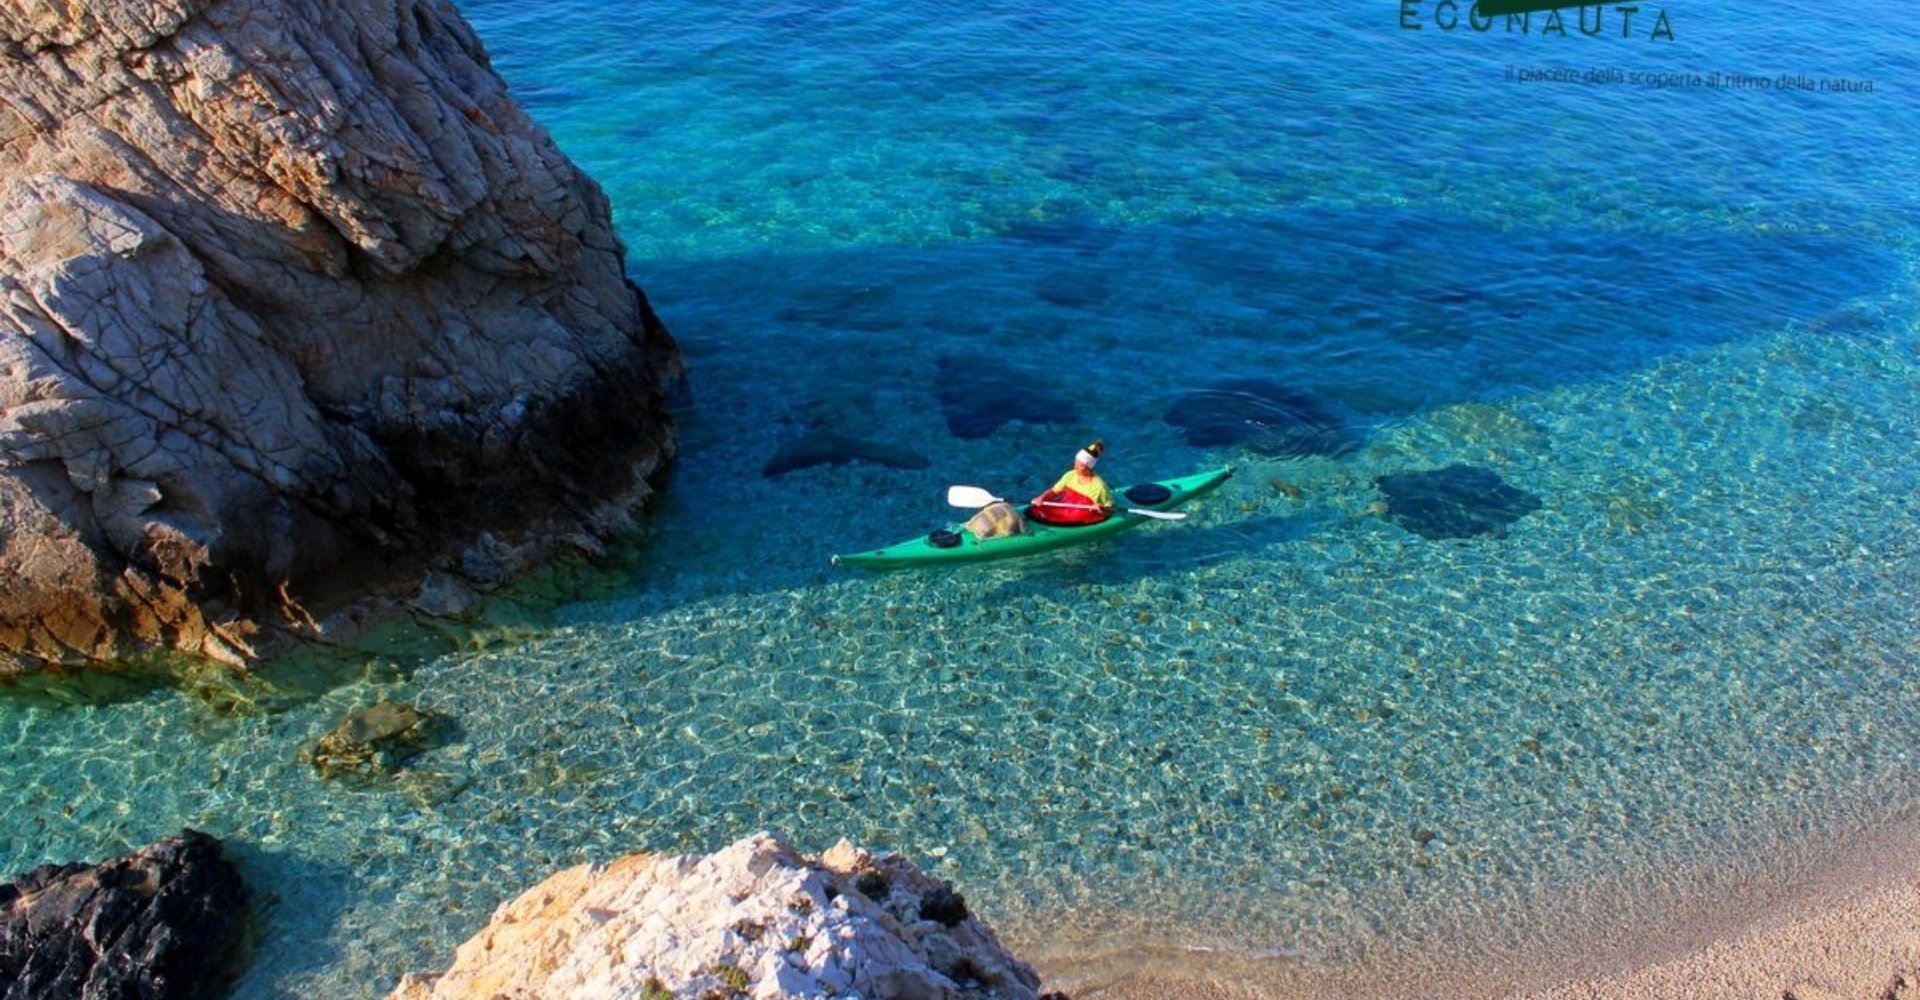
(1078, 497)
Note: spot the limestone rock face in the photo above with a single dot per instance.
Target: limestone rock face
(166, 921)
(756, 919)
(296, 305)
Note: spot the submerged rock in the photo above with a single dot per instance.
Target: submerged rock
(1489, 426)
(1459, 501)
(375, 741)
(1265, 418)
(295, 303)
(825, 447)
(980, 395)
(1635, 507)
(757, 919)
(167, 921)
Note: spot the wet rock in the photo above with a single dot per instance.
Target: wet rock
(1459, 501)
(825, 447)
(375, 741)
(167, 921)
(980, 395)
(756, 919)
(1265, 418)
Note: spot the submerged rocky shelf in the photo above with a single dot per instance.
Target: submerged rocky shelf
(298, 310)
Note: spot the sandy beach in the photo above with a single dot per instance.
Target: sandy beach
(1848, 932)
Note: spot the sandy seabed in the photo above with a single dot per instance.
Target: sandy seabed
(1851, 932)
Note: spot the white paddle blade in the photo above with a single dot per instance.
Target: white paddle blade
(969, 496)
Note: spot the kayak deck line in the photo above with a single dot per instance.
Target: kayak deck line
(1041, 537)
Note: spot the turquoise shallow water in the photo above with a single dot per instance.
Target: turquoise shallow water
(1683, 318)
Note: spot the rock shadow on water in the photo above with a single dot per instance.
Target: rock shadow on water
(1263, 417)
(1459, 501)
(980, 395)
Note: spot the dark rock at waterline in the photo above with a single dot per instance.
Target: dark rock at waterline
(375, 741)
(1459, 501)
(980, 395)
(824, 447)
(1265, 418)
(167, 921)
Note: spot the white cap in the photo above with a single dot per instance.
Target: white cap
(1085, 457)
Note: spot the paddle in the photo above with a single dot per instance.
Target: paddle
(974, 496)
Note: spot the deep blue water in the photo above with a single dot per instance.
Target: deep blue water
(1682, 318)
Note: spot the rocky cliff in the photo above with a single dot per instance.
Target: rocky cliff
(757, 919)
(296, 306)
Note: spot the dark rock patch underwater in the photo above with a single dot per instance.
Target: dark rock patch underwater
(1459, 501)
(980, 395)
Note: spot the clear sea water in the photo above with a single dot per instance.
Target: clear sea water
(1288, 728)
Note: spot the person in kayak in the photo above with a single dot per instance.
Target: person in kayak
(1078, 497)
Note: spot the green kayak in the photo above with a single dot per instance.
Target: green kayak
(956, 544)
